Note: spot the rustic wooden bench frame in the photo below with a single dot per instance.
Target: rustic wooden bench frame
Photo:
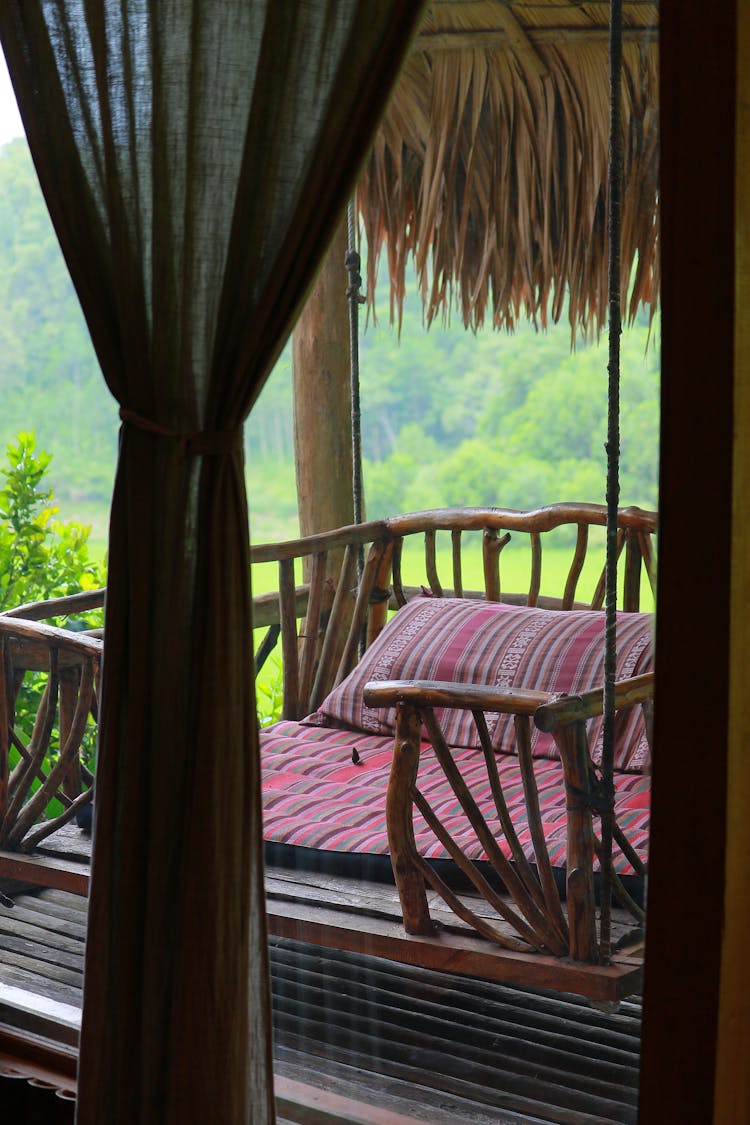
(324, 623)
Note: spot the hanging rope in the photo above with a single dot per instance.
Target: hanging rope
(355, 299)
(613, 470)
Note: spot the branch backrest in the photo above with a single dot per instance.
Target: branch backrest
(327, 619)
(326, 615)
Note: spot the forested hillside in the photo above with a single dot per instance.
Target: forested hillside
(448, 417)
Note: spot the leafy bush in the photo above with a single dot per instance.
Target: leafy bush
(40, 558)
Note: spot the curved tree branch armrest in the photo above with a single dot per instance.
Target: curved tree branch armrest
(470, 697)
(566, 709)
(58, 607)
(534, 915)
(31, 641)
(530, 915)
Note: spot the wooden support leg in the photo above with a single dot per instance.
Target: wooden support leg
(573, 747)
(409, 880)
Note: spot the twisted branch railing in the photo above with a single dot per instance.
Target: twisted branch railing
(531, 907)
(38, 771)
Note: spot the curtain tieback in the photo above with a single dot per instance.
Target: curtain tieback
(215, 443)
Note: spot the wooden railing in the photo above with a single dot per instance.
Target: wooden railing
(529, 916)
(46, 767)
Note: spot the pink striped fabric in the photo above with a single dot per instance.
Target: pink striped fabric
(505, 647)
(314, 796)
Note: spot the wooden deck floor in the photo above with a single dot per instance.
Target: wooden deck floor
(428, 1045)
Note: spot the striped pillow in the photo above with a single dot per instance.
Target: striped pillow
(502, 646)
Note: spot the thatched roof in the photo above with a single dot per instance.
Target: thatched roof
(490, 166)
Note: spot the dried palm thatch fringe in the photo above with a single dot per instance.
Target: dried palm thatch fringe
(490, 165)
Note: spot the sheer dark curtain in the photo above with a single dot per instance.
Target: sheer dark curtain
(194, 155)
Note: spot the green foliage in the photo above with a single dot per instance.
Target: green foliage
(449, 417)
(522, 421)
(269, 691)
(40, 557)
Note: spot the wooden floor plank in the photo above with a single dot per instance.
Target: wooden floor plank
(31, 911)
(29, 979)
(14, 925)
(447, 1050)
(43, 954)
(45, 907)
(43, 969)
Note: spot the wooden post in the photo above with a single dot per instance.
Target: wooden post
(409, 880)
(698, 103)
(322, 412)
(322, 401)
(732, 1083)
(573, 747)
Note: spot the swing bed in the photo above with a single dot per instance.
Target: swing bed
(432, 792)
(486, 753)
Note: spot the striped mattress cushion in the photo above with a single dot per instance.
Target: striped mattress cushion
(502, 646)
(315, 796)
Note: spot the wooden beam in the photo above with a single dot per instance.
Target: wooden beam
(688, 822)
(732, 1090)
(65, 874)
(379, 937)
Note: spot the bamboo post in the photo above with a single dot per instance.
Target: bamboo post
(399, 817)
